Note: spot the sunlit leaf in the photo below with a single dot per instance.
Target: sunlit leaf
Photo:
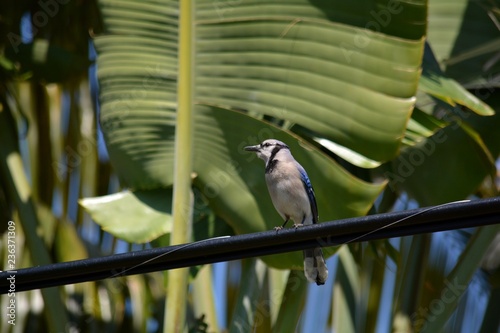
(136, 217)
(311, 73)
(348, 154)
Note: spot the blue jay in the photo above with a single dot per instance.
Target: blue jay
(293, 197)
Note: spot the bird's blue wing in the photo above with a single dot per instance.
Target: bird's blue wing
(310, 193)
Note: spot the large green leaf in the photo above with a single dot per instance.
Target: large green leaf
(137, 73)
(352, 85)
(137, 70)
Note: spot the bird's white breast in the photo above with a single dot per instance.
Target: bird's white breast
(288, 194)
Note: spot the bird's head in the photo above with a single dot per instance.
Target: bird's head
(267, 148)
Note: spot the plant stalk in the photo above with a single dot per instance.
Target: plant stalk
(175, 310)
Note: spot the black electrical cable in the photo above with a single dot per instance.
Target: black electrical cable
(458, 215)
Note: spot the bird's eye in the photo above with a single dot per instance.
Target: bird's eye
(266, 144)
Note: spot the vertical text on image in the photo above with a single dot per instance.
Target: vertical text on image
(11, 265)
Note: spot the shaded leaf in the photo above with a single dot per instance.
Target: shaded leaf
(412, 170)
(434, 82)
(420, 126)
(451, 164)
(457, 27)
(47, 62)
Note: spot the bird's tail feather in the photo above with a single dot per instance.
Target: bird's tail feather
(315, 268)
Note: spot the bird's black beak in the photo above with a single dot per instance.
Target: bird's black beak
(252, 148)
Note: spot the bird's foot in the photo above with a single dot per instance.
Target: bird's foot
(278, 228)
(298, 225)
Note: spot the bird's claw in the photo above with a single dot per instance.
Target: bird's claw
(278, 228)
(298, 225)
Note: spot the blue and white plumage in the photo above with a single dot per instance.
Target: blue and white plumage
(293, 197)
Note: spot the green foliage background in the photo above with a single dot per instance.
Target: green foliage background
(387, 104)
